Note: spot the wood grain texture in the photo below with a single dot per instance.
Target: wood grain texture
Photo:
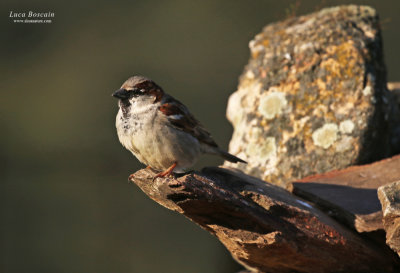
(265, 228)
(350, 195)
(389, 195)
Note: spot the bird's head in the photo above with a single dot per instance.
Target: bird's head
(138, 90)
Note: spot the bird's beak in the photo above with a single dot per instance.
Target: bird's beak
(121, 94)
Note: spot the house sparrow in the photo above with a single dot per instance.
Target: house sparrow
(159, 130)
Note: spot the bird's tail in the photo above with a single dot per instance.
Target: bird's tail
(217, 151)
(230, 157)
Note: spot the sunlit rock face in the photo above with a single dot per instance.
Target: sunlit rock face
(313, 97)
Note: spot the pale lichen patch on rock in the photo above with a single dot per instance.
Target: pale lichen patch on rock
(325, 136)
(232, 111)
(263, 150)
(367, 91)
(239, 100)
(250, 74)
(255, 133)
(272, 104)
(346, 127)
(255, 48)
(344, 144)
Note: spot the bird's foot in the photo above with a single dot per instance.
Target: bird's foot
(167, 172)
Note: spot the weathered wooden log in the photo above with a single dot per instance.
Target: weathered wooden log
(350, 195)
(389, 195)
(265, 228)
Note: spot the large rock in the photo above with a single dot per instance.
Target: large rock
(313, 97)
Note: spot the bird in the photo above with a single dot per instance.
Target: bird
(159, 130)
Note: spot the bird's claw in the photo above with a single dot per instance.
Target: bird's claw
(166, 173)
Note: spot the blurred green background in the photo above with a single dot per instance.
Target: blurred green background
(66, 205)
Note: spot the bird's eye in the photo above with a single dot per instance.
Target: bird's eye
(136, 92)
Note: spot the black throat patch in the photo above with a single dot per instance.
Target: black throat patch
(125, 106)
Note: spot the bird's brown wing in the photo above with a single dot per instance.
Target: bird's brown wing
(180, 117)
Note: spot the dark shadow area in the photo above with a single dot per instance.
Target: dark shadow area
(355, 200)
